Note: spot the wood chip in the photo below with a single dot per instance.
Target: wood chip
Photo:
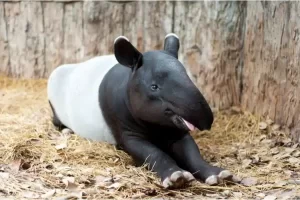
(31, 195)
(261, 195)
(4, 175)
(270, 197)
(61, 146)
(249, 181)
(246, 163)
(69, 182)
(50, 193)
(262, 125)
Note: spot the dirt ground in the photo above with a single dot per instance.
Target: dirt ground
(37, 162)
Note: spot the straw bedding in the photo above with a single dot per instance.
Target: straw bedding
(38, 162)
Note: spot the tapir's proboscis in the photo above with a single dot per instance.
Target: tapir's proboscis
(144, 103)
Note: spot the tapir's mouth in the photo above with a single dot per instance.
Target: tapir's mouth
(181, 123)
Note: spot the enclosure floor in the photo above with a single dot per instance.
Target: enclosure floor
(39, 162)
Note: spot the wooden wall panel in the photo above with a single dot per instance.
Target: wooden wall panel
(271, 72)
(54, 35)
(133, 24)
(73, 48)
(92, 28)
(211, 35)
(112, 23)
(26, 39)
(157, 23)
(4, 47)
(238, 53)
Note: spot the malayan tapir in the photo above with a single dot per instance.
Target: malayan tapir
(144, 103)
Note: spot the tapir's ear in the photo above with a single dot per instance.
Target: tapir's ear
(126, 54)
(172, 44)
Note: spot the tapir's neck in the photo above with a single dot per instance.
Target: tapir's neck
(115, 102)
(129, 106)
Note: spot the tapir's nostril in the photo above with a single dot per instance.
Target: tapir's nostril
(208, 126)
(209, 122)
(169, 112)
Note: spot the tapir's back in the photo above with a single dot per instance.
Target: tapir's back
(73, 91)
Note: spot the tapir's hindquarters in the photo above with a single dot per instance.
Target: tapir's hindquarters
(73, 91)
(57, 90)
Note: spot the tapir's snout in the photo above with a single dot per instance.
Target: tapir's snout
(202, 116)
(192, 108)
(206, 123)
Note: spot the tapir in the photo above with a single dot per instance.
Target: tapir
(143, 103)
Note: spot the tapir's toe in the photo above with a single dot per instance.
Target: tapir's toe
(188, 176)
(178, 179)
(225, 174)
(212, 180)
(228, 176)
(236, 179)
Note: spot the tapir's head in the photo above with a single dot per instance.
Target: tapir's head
(159, 90)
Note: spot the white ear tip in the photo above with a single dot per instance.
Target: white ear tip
(121, 37)
(172, 34)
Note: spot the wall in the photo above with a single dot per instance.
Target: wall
(271, 70)
(238, 53)
(212, 39)
(37, 36)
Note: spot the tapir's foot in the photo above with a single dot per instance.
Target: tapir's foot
(67, 131)
(219, 175)
(177, 179)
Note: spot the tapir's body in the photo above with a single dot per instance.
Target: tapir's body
(77, 86)
(145, 104)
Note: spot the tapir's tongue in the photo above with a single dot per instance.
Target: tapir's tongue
(189, 125)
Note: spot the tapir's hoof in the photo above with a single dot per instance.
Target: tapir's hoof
(178, 179)
(236, 179)
(228, 176)
(223, 175)
(212, 180)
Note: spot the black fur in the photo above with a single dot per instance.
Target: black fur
(144, 118)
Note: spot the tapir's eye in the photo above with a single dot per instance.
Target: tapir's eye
(154, 87)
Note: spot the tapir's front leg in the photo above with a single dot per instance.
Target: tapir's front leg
(186, 152)
(144, 152)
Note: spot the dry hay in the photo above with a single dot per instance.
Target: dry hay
(39, 162)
